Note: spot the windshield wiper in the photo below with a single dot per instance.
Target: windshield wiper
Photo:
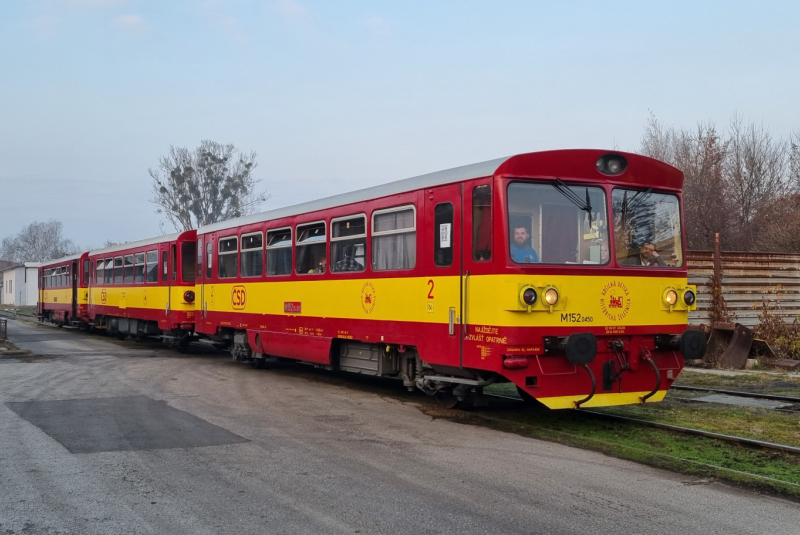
(573, 197)
(639, 198)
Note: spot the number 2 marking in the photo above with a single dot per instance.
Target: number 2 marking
(430, 293)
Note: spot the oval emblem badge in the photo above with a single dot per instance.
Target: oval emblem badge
(238, 297)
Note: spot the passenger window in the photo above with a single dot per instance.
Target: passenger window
(443, 234)
(394, 239)
(117, 270)
(187, 261)
(138, 268)
(174, 248)
(311, 248)
(279, 252)
(152, 266)
(199, 257)
(128, 269)
(109, 270)
(349, 244)
(482, 223)
(228, 249)
(252, 257)
(209, 250)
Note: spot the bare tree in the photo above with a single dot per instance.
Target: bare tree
(756, 172)
(794, 160)
(38, 242)
(212, 183)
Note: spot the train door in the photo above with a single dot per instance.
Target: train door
(75, 286)
(207, 292)
(444, 298)
(163, 253)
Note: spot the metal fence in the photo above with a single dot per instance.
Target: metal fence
(745, 282)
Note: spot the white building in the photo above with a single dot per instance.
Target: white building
(20, 285)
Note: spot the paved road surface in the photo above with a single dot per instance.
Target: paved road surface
(100, 437)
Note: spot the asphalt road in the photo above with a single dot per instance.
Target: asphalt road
(102, 437)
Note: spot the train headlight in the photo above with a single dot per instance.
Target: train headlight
(188, 296)
(670, 297)
(551, 296)
(611, 164)
(528, 296)
(689, 298)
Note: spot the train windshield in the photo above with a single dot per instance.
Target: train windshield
(647, 228)
(556, 223)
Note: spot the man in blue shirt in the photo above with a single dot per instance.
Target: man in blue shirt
(521, 251)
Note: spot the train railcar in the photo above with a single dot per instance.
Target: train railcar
(563, 272)
(145, 288)
(64, 291)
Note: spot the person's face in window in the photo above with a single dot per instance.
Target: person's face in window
(520, 236)
(648, 250)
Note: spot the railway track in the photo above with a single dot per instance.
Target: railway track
(676, 428)
(753, 395)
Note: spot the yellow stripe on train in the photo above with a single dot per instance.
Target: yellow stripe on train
(147, 297)
(591, 301)
(601, 400)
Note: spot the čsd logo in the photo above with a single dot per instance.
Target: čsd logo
(238, 297)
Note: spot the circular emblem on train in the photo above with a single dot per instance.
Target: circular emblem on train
(615, 301)
(368, 297)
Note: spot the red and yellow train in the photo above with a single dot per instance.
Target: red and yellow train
(563, 272)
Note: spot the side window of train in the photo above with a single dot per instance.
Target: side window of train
(164, 266)
(138, 268)
(199, 258)
(443, 234)
(209, 251)
(188, 255)
(109, 270)
(252, 256)
(228, 249)
(394, 238)
(128, 269)
(349, 243)
(482, 223)
(174, 248)
(152, 266)
(86, 272)
(279, 252)
(311, 257)
(117, 270)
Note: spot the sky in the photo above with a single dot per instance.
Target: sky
(336, 96)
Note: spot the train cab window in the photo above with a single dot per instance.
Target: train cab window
(647, 228)
(279, 252)
(311, 256)
(557, 223)
(349, 244)
(164, 267)
(188, 254)
(394, 238)
(86, 272)
(128, 263)
(117, 270)
(138, 268)
(109, 270)
(152, 266)
(228, 249)
(482, 223)
(252, 255)
(443, 234)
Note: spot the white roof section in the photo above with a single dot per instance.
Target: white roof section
(56, 260)
(34, 264)
(438, 178)
(134, 244)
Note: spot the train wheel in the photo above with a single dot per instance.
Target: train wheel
(447, 400)
(183, 345)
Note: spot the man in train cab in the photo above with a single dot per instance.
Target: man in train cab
(321, 266)
(647, 257)
(521, 250)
